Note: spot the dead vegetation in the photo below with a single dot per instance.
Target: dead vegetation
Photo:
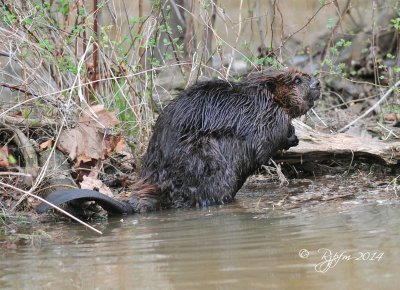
(81, 83)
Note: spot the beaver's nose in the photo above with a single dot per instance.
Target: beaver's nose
(315, 84)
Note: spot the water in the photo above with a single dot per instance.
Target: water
(229, 247)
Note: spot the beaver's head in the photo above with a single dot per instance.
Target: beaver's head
(293, 90)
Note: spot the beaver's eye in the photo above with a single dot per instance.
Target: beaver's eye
(297, 81)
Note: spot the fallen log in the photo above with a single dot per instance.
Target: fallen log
(317, 146)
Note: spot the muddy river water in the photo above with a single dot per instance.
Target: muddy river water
(238, 246)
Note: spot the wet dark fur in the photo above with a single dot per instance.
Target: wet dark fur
(215, 134)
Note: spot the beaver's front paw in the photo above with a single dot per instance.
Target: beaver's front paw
(292, 139)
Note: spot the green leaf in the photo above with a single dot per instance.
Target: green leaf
(12, 159)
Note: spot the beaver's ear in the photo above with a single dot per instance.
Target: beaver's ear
(270, 85)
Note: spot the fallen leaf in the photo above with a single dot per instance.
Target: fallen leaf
(97, 116)
(89, 140)
(46, 144)
(4, 157)
(111, 142)
(94, 183)
(86, 169)
(120, 146)
(391, 117)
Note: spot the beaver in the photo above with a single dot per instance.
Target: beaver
(209, 139)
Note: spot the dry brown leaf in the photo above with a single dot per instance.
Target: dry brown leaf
(87, 140)
(97, 116)
(87, 169)
(46, 144)
(111, 142)
(4, 157)
(81, 143)
(391, 117)
(120, 146)
(93, 183)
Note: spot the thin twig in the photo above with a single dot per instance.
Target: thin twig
(17, 88)
(15, 173)
(371, 108)
(96, 43)
(304, 26)
(261, 33)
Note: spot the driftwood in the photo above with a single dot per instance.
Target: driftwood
(317, 146)
(27, 150)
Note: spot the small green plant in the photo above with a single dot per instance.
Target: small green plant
(9, 18)
(330, 59)
(330, 24)
(394, 109)
(2, 224)
(12, 159)
(390, 56)
(396, 23)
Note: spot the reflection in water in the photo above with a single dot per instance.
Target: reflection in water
(219, 248)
